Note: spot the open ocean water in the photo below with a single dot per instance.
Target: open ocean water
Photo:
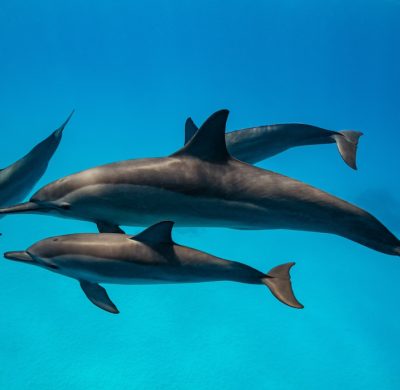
(134, 71)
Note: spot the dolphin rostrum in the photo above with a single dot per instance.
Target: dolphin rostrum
(258, 143)
(18, 179)
(150, 257)
(202, 185)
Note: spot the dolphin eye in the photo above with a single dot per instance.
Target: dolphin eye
(65, 206)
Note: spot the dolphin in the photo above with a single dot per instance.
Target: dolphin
(18, 179)
(202, 185)
(255, 144)
(150, 257)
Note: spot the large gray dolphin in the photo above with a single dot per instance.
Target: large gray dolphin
(151, 257)
(18, 179)
(202, 185)
(255, 144)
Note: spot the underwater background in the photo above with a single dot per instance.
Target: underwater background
(134, 71)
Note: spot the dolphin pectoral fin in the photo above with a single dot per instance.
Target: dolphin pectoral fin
(278, 281)
(190, 130)
(98, 296)
(209, 141)
(108, 228)
(160, 233)
(347, 142)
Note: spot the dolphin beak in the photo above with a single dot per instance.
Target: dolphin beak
(59, 131)
(27, 207)
(21, 256)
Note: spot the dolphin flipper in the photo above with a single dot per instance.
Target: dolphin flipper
(98, 296)
(347, 142)
(107, 228)
(278, 281)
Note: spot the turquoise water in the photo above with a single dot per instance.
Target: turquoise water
(134, 72)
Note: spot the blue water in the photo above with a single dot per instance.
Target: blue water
(134, 72)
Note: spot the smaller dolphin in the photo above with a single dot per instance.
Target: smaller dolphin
(255, 144)
(150, 257)
(18, 179)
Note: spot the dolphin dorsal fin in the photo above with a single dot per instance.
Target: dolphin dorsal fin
(190, 129)
(209, 141)
(159, 233)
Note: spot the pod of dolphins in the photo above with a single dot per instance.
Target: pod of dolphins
(208, 182)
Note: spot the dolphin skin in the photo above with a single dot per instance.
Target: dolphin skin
(255, 144)
(202, 185)
(151, 257)
(18, 179)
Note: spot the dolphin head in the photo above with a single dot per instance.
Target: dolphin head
(60, 209)
(44, 253)
(68, 197)
(57, 254)
(51, 199)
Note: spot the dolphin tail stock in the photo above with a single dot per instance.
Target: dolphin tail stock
(347, 142)
(278, 281)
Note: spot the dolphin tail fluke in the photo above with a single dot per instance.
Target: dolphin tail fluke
(347, 142)
(278, 281)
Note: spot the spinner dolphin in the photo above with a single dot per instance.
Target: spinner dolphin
(151, 257)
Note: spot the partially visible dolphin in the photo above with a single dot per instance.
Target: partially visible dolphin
(255, 144)
(18, 179)
(202, 185)
(151, 257)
